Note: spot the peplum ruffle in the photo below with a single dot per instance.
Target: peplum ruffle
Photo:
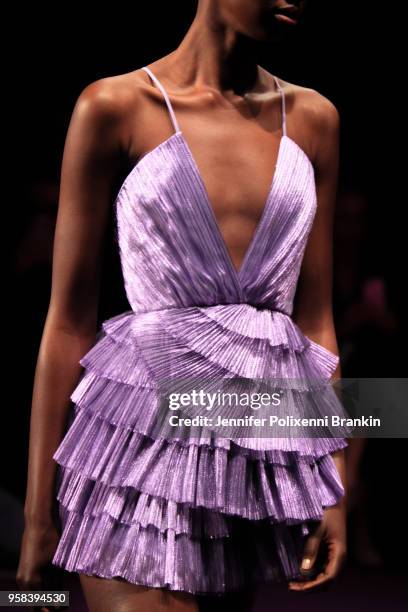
(150, 499)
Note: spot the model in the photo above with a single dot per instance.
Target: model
(224, 224)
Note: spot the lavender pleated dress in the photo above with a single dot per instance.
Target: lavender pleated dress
(194, 515)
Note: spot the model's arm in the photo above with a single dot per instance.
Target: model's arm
(89, 169)
(313, 307)
(313, 313)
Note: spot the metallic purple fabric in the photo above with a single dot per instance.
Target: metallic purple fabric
(195, 515)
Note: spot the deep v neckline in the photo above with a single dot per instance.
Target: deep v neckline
(209, 208)
(237, 273)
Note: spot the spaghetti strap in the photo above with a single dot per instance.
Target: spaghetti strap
(166, 98)
(282, 93)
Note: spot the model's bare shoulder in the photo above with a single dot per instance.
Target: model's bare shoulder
(317, 115)
(325, 122)
(321, 111)
(106, 107)
(314, 106)
(109, 98)
(322, 119)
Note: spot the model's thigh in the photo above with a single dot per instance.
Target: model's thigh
(106, 595)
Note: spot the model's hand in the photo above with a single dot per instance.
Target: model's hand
(35, 571)
(325, 551)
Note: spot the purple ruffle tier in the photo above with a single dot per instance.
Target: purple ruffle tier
(194, 514)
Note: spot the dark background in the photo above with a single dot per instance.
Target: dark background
(343, 50)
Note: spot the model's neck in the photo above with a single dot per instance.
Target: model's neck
(214, 55)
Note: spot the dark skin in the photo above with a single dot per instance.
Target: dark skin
(229, 111)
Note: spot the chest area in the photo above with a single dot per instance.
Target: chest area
(236, 172)
(236, 168)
